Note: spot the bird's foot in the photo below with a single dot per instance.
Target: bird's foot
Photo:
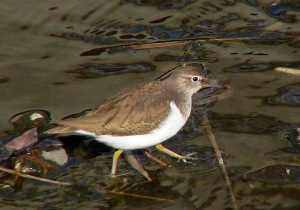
(175, 155)
(187, 157)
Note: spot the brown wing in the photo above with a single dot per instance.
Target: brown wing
(130, 112)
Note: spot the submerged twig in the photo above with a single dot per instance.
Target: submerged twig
(139, 196)
(220, 159)
(162, 44)
(19, 62)
(171, 43)
(33, 177)
(287, 70)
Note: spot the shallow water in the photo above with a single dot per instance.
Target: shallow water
(65, 58)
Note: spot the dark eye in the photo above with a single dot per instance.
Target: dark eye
(195, 79)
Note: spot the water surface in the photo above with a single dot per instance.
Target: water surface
(66, 57)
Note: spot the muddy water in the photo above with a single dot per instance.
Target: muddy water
(64, 58)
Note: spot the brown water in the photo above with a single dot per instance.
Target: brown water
(61, 57)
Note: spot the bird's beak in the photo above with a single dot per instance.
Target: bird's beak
(206, 83)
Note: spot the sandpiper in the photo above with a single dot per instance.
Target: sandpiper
(141, 116)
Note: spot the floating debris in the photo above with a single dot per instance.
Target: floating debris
(3, 79)
(30, 119)
(27, 139)
(276, 174)
(294, 137)
(53, 151)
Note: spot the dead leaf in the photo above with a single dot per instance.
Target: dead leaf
(27, 139)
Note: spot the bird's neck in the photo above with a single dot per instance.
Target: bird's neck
(185, 107)
(183, 101)
(181, 97)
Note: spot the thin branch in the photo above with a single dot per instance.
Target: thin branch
(139, 196)
(171, 43)
(33, 177)
(161, 44)
(220, 159)
(287, 70)
(19, 62)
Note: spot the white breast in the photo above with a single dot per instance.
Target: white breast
(168, 128)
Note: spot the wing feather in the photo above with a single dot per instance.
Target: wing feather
(133, 111)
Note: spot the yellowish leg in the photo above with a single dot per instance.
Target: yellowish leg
(173, 154)
(115, 160)
(154, 158)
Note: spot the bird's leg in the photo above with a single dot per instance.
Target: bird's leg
(154, 158)
(173, 154)
(134, 162)
(115, 160)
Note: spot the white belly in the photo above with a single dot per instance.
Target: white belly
(168, 128)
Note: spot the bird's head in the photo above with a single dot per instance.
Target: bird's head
(189, 79)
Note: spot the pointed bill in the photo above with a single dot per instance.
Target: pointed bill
(206, 83)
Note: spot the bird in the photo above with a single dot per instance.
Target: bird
(141, 116)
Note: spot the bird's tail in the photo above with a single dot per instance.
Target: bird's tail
(59, 130)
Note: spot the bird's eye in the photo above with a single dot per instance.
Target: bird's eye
(195, 79)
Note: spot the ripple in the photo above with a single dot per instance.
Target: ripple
(279, 174)
(178, 4)
(279, 10)
(260, 124)
(94, 70)
(245, 67)
(295, 44)
(288, 95)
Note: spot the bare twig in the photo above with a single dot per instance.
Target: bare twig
(33, 177)
(220, 159)
(19, 62)
(162, 44)
(287, 70)
(139, 196)
(171, 43)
